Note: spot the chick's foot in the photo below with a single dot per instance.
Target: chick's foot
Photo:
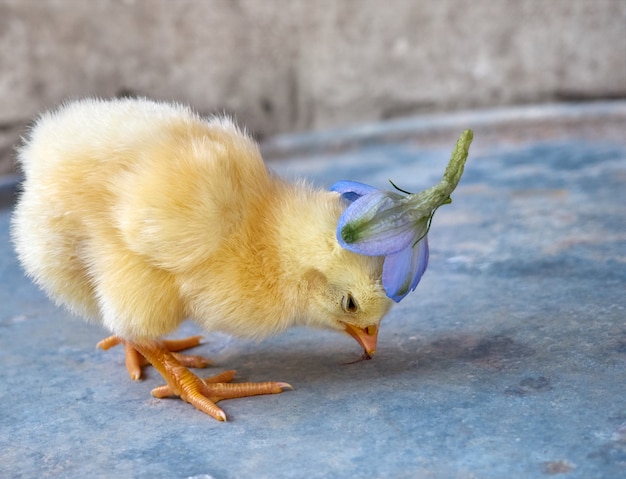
(135, 361)
(201, 393)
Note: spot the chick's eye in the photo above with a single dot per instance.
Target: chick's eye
(348, 304)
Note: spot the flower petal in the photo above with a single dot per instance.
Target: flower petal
(374, 225)
(352, 190)
(402, 271)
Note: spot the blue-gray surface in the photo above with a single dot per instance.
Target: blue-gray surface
(509, 361)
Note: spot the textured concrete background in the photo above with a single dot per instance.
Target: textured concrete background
(283, 66)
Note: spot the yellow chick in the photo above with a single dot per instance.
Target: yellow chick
(139, 214)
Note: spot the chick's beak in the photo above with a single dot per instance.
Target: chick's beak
(366, 337)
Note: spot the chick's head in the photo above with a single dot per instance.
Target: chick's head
(347, 295)
(337, 289)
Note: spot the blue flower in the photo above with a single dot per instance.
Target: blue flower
(377, 223)
(393, 225)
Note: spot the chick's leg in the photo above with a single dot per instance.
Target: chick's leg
(203, 394)
(135, 361)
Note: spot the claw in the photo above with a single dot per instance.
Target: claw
(134, 361)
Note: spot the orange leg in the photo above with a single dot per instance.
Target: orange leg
(135, 361)
(203, 394)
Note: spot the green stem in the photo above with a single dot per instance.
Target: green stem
(424, 203)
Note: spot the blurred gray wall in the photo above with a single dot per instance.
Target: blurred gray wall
(283, 66)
